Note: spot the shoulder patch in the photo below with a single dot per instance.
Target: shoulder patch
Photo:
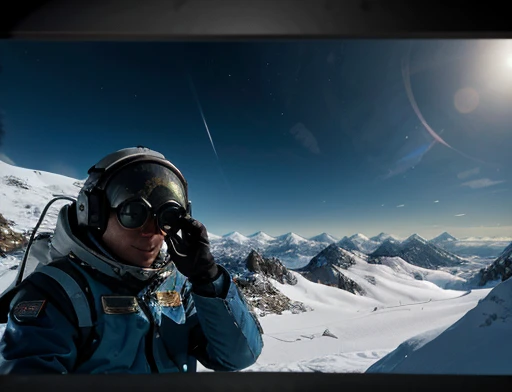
(28, 310)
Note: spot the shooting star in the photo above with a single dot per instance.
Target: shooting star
(192, 87)
(202, 114)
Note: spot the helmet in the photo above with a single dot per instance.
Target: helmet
(127, 173)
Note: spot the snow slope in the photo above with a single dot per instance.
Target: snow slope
(479, 343)
(25, 193)
(295, 342)
(396, 308)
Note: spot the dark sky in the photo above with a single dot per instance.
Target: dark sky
(306, 136)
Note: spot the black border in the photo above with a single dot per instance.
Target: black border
(252, 381)
(243, 20)
(251, 19)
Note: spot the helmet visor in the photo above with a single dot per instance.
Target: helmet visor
(148, 180)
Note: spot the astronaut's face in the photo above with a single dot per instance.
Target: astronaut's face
(138, 247)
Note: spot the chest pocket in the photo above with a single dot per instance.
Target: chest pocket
(169, 311)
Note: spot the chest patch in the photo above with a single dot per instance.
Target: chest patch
(28, 310)
(119, 304)
(168, 298)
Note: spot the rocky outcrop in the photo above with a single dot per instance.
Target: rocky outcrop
(9, 239)
(264, 298)
(270, 267)
(499, 270)
(15, 182)
(255, 283)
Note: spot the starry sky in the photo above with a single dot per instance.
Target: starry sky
(338, 136)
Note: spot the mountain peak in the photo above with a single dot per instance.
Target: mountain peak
(260, 235)
(381, 237)
(235, 236)
(416, 237)
(359, 236)
(389, 248)
(332, 255)
(292, 238)
(347, 244)
(324, 237)
(444, 237)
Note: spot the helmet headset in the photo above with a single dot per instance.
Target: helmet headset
(93, 206)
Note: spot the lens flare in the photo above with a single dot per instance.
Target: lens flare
(466, 100)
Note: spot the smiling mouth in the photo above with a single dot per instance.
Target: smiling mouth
(145, 250)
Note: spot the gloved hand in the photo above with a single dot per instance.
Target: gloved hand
(191, 253)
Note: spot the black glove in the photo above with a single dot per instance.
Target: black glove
(191, 253)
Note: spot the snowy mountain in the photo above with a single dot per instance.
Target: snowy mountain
(443, 238)
(347, 244)
(388, 248)
(261, 237)
(325, 268)
(380, 238)
(293, 250)
(419, 252)
(333, 255)
(236, 237)
(324, 238)
(416, 251)
(364, 244)
(414, 237)
(346, 270)
(477, 344)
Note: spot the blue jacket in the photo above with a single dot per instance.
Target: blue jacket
(141, 333)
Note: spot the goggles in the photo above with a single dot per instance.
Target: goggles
(134, 214)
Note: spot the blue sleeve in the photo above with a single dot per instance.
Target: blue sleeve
(232, 332)
(42, 344)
